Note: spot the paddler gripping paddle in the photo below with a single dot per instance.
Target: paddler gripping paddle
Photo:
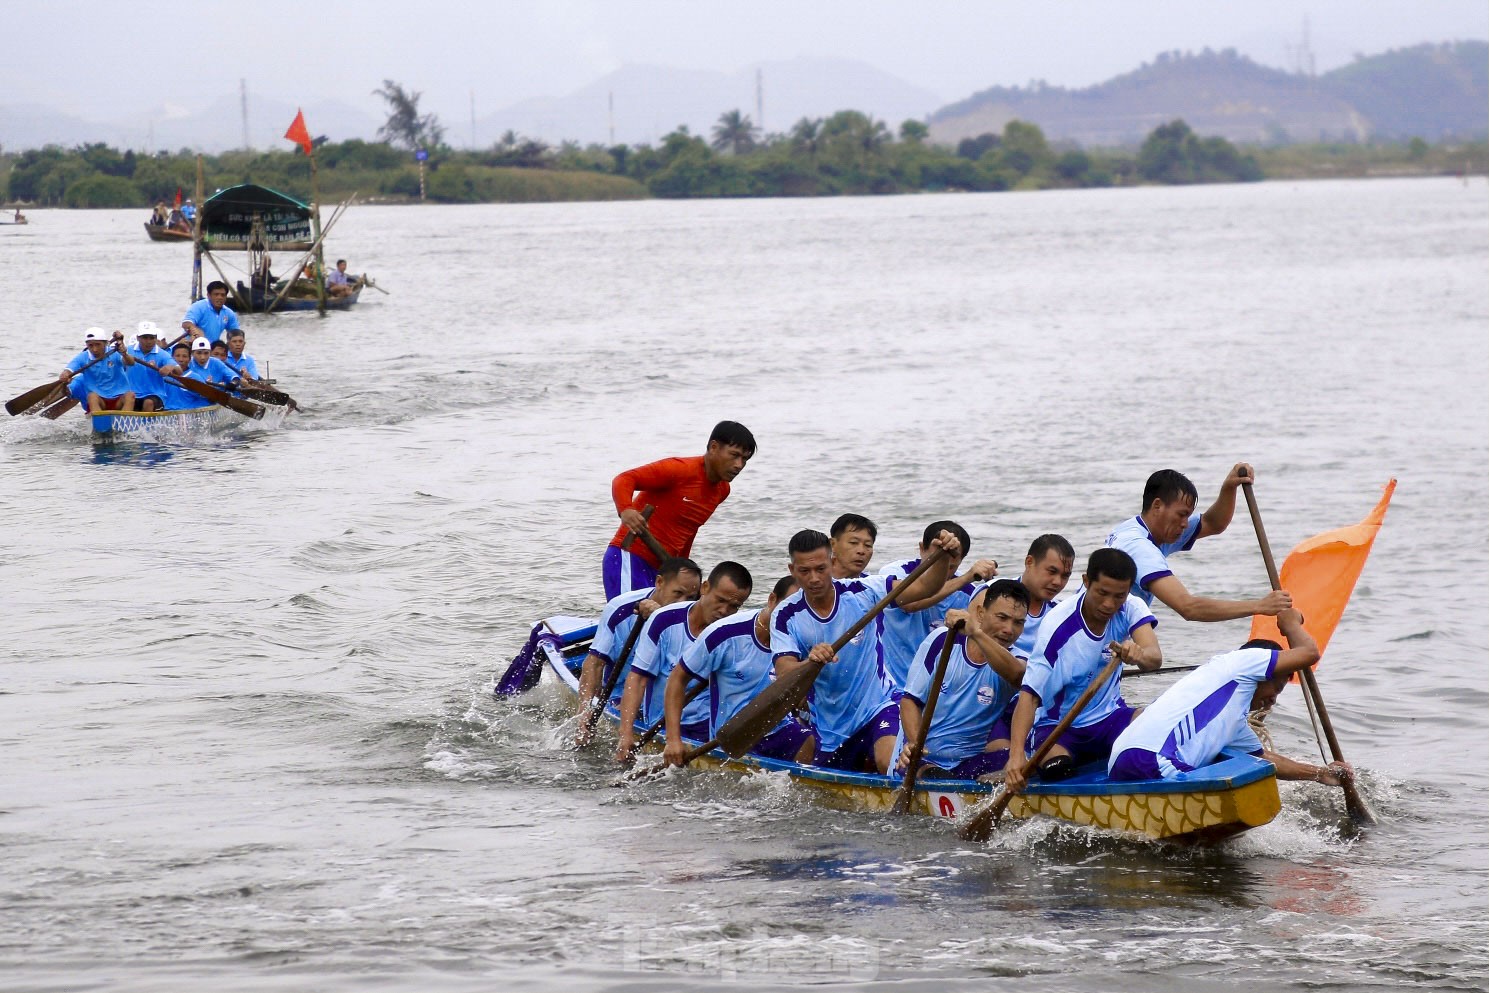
(1359, 810)
(905, 794)
(763, 713)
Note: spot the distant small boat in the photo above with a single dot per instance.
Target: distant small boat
(159, 232)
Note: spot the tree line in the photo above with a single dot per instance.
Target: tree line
(846, 153)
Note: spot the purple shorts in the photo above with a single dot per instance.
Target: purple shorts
(981, 764)
(1091, 742)
(1136, 763)
(696, 731)
(784, 742)
(857, 753)
(623, 572)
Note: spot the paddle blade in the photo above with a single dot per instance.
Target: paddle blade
(40, 396)
(979, 824)
(59, 408)
(1359, 811)
(762, 714)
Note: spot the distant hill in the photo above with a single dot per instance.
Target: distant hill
(651, 101)
(1430, 91)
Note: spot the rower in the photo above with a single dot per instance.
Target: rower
(1075, 641)
(149, 386)
(210, 316)
(242, 364)
(969, 735)
(904, 632)
(851, 707)
(102, 376)
(684, 492)
(207, 368)
(1047, 570)
(178, 397)
(667, 635)
(1202, 717)
(677, 579)
(853, 537)
(1169, 525)
(733, 656)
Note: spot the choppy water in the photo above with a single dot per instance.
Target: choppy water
(247, 740)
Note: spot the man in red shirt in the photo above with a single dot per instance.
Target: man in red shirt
(683, 493)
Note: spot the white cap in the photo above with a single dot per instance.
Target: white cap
(147, 327)
(96, 334)
(201, 345)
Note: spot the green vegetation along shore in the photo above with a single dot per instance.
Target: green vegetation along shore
(848, 153)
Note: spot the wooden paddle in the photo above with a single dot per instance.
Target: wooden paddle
(980, 823)
(756, 719)
(212, 394)
(656, 725)
(906, 793)
(597, 707)
(1359, 811)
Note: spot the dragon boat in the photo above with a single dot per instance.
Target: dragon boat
(1205, 806)
(162, 425)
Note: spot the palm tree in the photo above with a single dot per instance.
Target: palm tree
(734, 132)
(404, 125)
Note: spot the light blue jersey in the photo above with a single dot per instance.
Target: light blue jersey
(144, 380)
(216, 372)
(973, 697)
(614, 627)
(243, 365)
(214, 323)
(1023, 647)
(1203, 714)
(1068, 656)
(108, 378)
(850, 691)
(1133, 537)
(903, 631)
(737, 666)
(664, 640)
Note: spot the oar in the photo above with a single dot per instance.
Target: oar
(650, 539)
(59, 408)
(597, 706)
(980, 823)
(212, 394)
(755, 720)
(1355, 804)
(905, 794)
(656, 725)
(275, 397)
(43, 394)
(367, 281)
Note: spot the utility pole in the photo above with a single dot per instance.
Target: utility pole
(473, 120)
(243, 103)
(612, 118)
(760, 101)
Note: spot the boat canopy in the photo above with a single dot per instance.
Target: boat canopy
(250, 216)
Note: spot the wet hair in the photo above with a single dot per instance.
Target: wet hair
(733, 433)
(1010, 588)
(1166, 486)
(856, 521)
(1113, 563)
(935, 528)
(1266, 643)
(734, 572)
(783, 586)
(237, 333)
(807, 541)
(671, 567)
(1056, 543)
(216, 284)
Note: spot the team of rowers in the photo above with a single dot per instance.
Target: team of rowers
(106, 376)
(1018, 661)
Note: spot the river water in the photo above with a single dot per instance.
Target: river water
(248, 741)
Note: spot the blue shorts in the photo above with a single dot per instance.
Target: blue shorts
(784, 742)
(857, 753)
(1136, 763)
(623, 572)
(1092, 742)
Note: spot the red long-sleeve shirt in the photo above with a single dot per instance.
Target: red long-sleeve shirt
(682, 496)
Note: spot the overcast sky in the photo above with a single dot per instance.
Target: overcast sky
(100, 60)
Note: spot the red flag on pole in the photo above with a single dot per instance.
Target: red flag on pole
(178, 196)
(299, 133)
(1321, 572)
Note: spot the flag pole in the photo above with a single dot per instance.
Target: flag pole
(315, 221)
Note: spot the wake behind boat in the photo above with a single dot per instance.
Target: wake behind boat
(1202, 807)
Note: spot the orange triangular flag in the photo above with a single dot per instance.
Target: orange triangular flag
(299, 133)
(1321, 573)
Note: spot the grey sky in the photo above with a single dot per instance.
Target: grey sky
(101, 59)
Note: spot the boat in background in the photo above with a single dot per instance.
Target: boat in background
(161, 232)
(1205, 806)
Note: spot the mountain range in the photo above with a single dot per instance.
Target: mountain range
(1429, 91)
